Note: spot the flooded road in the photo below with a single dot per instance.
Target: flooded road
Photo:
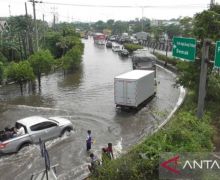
(85, 97)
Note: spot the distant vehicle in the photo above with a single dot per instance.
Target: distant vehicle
(116, 47)
(123, 52)
(109, 44)
(143, 59)
(113, 38)
(35, 127)
(133, 88)
(135, 41)
(99, 38)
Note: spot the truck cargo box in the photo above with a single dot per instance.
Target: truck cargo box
(134, 87)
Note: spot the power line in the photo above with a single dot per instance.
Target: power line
(126, 6)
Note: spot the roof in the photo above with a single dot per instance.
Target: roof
(143, 55)
(29, 121)
(135, 74)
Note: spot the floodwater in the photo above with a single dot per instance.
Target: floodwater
(86, 98)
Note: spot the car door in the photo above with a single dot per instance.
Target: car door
(37, 131)
(51, 129)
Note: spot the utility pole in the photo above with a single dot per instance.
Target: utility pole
(212, 2)
(27, 31)
(142, 19)
(35, 24)
(43, 30)
(9, 9)
(203, 77)
(55, 13)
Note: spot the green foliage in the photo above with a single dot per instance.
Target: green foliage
(173, 30)
(1, 72)
(184, 133)
(51, 39)
(188, 74)
(3, 59)
(41, 62)
(132, 47)
(20, 72)
(62, 41)
(72, 58)
(207, 25)
(99, 26)
(167, 59)
(120, 27)
(66, 29)
(213, 88)
(186, 26)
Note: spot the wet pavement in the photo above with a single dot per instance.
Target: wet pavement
(86, 97)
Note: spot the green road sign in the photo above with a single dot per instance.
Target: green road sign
(217, 54)
(184, 48)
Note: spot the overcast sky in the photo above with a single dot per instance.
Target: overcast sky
(154, 9)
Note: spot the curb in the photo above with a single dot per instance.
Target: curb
(178, 103)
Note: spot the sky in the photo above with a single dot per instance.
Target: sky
(94, 10)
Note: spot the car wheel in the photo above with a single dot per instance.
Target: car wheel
(66, 132)
(23, 146)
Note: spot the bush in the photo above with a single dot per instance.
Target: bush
(72, 58)
(20, 73)
(164, 58)
(184, 133)
(213, 87)
(132, 47)
(41, 62)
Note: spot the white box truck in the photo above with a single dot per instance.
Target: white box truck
(133, 88)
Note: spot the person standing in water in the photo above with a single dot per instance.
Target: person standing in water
(109, 151)
(88, 140)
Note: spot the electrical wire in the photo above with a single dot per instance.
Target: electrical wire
(127, 6)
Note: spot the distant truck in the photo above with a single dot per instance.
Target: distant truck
(99, 38)
(133, 88)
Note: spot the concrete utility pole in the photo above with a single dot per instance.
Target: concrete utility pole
(9, 9)
(55, 14)
(43, 30)
(142, 19)
(35, 24)
(212, 2)
(28, 31)
(203, 77)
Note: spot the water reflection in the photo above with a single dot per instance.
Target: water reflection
(72, 79)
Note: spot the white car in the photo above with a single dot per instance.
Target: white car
(35, 127)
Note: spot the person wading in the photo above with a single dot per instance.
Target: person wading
(88, 140)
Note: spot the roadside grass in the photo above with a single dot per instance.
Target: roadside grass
(172, 61)
(183, 133)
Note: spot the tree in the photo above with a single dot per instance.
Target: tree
(172, 30)
(20, 72)
(120, 27)
(186, 25)
(72, 59)
(110, 23)
(19, 26)
(207, 24)
(157, 31)
(99, 26)
(41, 62)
